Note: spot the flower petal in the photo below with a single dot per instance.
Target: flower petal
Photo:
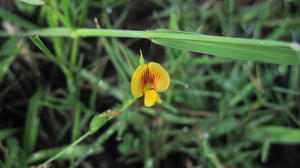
(137, 85)
(160, 77)
(151, 97)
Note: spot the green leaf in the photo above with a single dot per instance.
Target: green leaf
(4, 133)
(4, 14)
(8, 54)
(274, 134)
(68, 14)
(32, 123)
(238, 48)
(224, 126)
(265, 151)
(277, 52)
(244, 92)
(97, 122)
(207, 150)
(39, 43)
(9, 46)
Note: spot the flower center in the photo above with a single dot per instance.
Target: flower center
(148, 81)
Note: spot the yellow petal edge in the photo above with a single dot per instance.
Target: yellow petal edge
(136, 80)
(163, 81)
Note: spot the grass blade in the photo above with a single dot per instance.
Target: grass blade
(277, 52)
(4, 133)
(246, 49)
(274, 134)
(32, 123)
(4, 14)
(8, 54)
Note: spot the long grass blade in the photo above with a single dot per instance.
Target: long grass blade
(274, 134)
(245, 49)
(277, 52)
(32, 123)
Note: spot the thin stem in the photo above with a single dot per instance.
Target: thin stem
(74, 53)
(100, 140)
(84, 12)
(162, 34)
(75, 129)
(125, 106)
(75, 47)
(63, 151)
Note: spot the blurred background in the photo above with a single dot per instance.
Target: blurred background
(218, 112)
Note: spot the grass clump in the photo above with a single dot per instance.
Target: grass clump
(66, 66)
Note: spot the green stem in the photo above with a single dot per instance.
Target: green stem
(84, 12)
(75, 129)
(75, 47)
(162, 34)
(74, 53)
(63, 151)
(124, 107)
(100, 140)
(127, 104)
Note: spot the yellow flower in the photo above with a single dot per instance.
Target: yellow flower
(148, 79)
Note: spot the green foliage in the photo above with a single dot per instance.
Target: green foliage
(142, 60)
(5, 133)
(69, 154)
(247, 49)
(274, 134)
(13, 153)
(32, 123)
(8, 54)
(255, 50)
(226, 107)
(16, 19)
